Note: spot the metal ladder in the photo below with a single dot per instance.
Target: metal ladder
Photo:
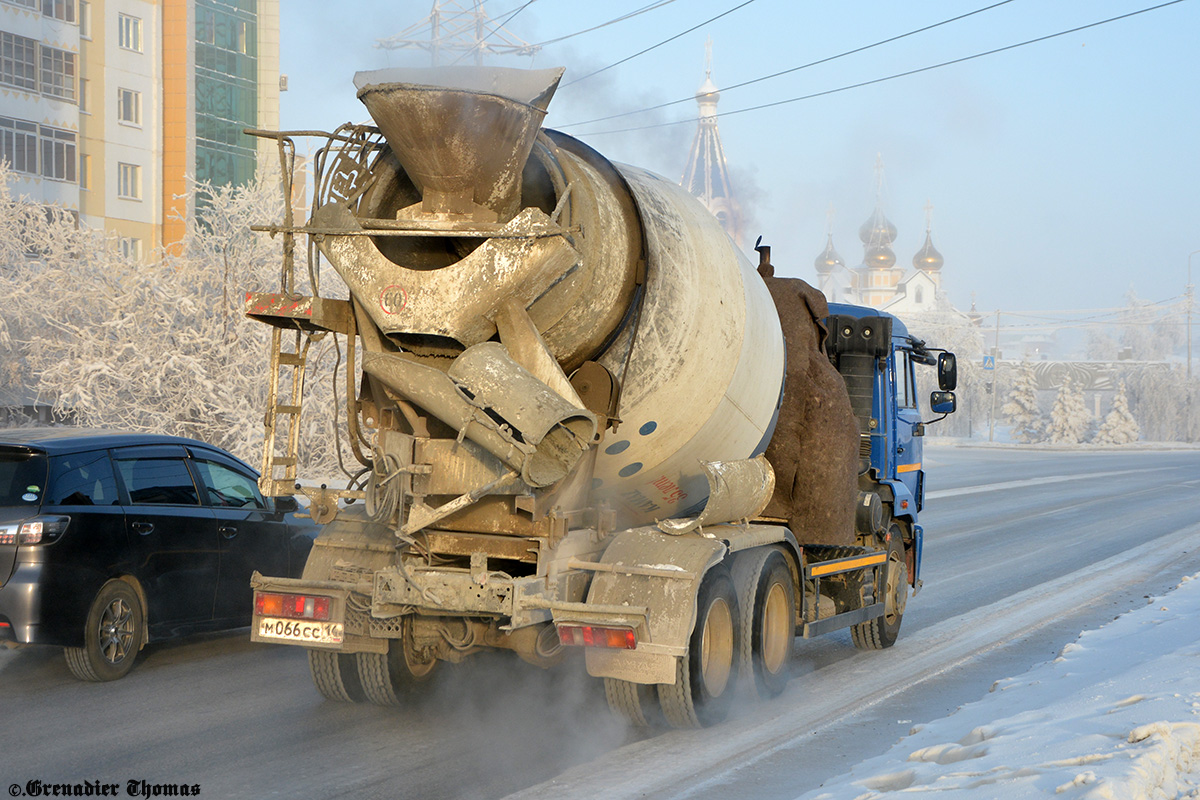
(287, 369)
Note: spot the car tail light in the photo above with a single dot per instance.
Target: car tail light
(291, 606)
(39, 530)
(597, 636)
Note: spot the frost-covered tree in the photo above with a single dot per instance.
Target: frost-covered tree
(1119, 426)
(1150, 331)
(948, 329)
(1069, 418)
(1021, 408)
(1164, 403)
(1101, 346)
(161, 346)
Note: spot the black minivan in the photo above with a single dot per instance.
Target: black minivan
(112, 540)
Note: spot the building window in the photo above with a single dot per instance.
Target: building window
(920, 294)
(129, 106)
(18, 64)
(58, 73)
(85, 19)
(129, 32)
(129, 181)
(206, 26)
(59, 9)
(23, 3)
(18, 144)
(84, 86)
(59, 159)
(131, 247)
(85, 171)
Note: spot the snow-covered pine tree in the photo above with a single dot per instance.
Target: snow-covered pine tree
(1119, 426)
(1021, 408)
(1069, 419)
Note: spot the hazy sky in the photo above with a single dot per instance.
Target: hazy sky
(1061, 173)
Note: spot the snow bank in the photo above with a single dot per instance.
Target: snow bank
(1115, 717)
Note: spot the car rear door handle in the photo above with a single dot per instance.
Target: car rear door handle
(228, 531)
(143, 528)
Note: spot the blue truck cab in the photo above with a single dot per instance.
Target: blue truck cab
(877, 357)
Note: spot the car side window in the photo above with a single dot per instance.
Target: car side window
(227, 487)
(158, 481)
(82, 479)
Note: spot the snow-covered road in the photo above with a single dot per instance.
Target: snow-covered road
(1024, 549)
(1115, 717)
(989, 606)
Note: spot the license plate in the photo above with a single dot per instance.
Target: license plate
(300, 631)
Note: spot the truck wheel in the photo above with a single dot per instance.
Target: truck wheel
(881, 632)
(389, 679)
(112, 637)
(636, 703)
(767, 599)
(335, 675)
(706, 676)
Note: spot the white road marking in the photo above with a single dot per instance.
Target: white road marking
(996, 487)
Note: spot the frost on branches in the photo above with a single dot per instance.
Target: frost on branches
(1119, 426)
(161, 346)
(954, 332)
(1021, 408)
(1069, 419)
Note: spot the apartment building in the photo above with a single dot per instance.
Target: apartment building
(108, 107)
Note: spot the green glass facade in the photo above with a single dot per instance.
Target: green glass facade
(226, 90)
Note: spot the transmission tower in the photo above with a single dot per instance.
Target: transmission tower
(456, 28)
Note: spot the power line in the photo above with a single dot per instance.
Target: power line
(726, 89)
(630, 15)
(896, 75)
(660, 44)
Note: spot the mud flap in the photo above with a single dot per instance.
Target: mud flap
(678, 564)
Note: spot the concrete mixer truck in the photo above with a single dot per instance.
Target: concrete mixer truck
(587, 424)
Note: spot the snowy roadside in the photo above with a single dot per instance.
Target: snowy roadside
(1115, 717)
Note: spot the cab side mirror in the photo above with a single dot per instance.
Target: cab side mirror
(286, 504)
(942, 402)
(947, 373)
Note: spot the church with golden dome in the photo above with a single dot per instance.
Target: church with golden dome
(706, 175)
(878, 281)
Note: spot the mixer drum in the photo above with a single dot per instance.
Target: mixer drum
(612, 264)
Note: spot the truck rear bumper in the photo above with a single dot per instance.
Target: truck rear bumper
(368, 623)
(334, 631)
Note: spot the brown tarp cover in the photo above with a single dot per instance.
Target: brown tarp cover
(814, 449)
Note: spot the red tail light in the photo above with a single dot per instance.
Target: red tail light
(291, 606)
(39, 530)
(597, 636)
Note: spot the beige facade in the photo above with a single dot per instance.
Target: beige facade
(99, 110)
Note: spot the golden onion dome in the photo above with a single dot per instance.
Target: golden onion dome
(877, 230)
(928, 258)
(707, 97)
(828, 260)
(880, 257)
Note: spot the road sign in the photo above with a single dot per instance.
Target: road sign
(989, 362)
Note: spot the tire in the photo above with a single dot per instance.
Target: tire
(636, 703)
(112, 636)
(882, 632)
(706, 677)
(398, 676)
(335, 675)
(767, 600)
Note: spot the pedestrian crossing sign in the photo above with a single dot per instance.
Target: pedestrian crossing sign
(989, 362)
